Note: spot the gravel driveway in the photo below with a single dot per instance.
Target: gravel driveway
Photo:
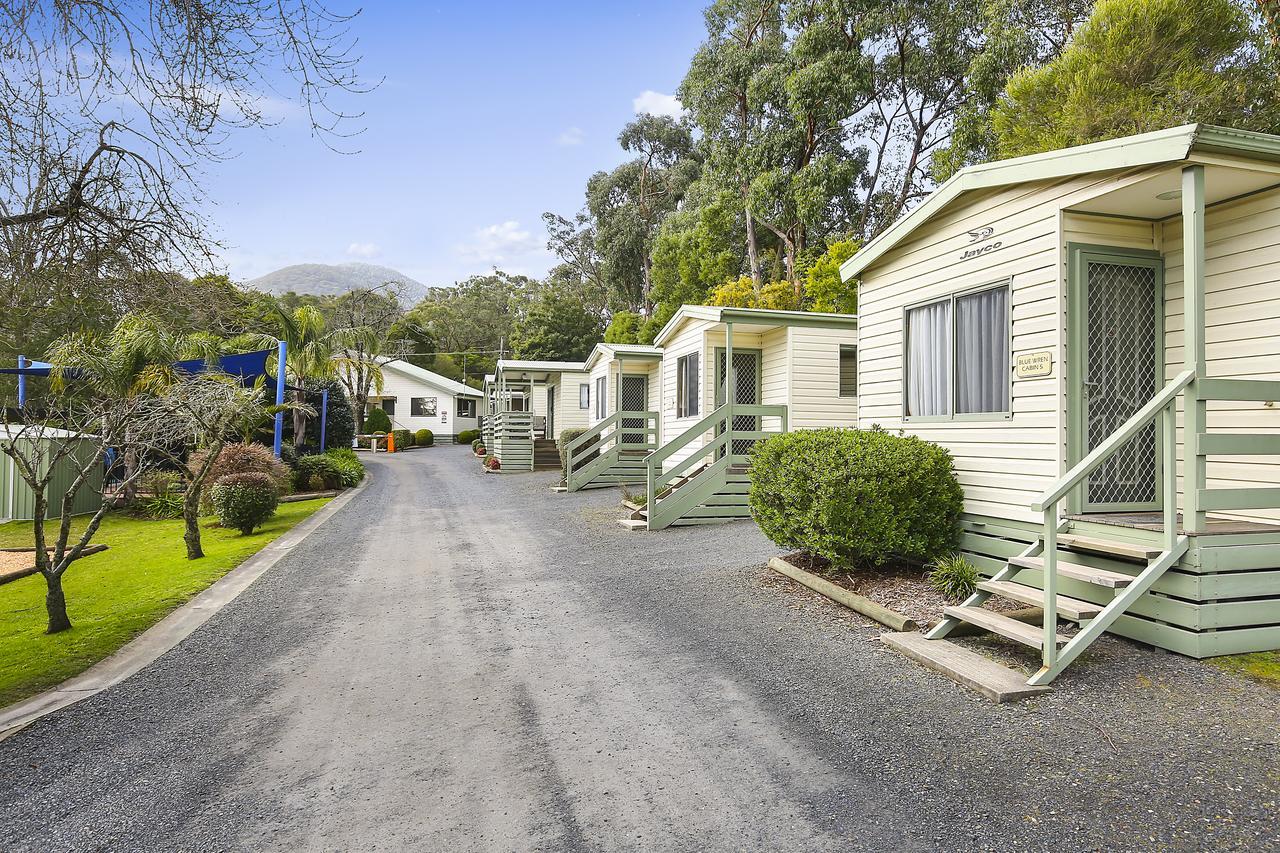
(460, 661)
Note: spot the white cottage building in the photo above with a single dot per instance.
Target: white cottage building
(416, 398)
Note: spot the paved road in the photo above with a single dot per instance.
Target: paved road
(466, 662)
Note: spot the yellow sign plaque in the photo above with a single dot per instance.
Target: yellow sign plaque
(1031, 365)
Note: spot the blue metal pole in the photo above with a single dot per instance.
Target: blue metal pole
(324, 416)
(22, 382)
(280, 373)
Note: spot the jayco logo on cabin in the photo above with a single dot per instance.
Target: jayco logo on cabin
(977, 236)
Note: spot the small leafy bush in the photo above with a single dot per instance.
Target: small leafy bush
(424, 438)
(404, 439)
(244, 501)
(953, 576)
(862, 497)
(492, 463)
(468, 436)
(242, 458)
(348, 465)
(377, 421)
(318, 466)
(477, 443)
(562, 445)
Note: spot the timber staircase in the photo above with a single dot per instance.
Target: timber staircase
(612, 452)
(709, 481)
(546, 456)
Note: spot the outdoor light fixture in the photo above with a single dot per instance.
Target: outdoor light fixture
(1171, 195)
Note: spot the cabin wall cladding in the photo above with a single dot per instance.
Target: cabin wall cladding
(1006, 462)
(1219, 599)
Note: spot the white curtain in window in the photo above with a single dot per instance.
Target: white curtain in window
(928, 359)
(982, 352)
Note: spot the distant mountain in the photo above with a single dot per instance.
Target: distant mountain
(336, 279)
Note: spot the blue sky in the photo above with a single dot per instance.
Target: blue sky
(487, 116)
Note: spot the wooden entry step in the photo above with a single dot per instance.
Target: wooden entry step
(1076, 571)
(1072, 608)
(968, 669)
(1028, 635)
(1108, 547)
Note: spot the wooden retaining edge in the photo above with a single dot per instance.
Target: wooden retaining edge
(840, 595)
(307, 496)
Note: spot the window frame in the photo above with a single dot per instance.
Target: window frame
(951, 416)
(602, 389)
(460, 402)
(413, 401)
(840, 350)
(382, 404)
(682, 383)
(584, 396)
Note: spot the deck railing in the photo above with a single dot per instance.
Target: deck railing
(709, 463)
(601, 449)
(513, 440)
(1198, 444)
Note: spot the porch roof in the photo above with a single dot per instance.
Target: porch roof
(1172, 145)
(760, 318)
(544, 369)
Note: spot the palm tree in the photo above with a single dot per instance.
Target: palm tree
(310, 350)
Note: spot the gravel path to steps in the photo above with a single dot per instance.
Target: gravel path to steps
(460, 661)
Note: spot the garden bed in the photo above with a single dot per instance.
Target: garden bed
(901, 589)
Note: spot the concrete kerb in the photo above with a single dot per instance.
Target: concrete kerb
(169, 631)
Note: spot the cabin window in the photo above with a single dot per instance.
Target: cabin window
(388, 405)
(466, 408)
(601, 387)
(422, 407)
(584, 396)
(688, 372)
(848, 371)
(519, 403)
(958, 355)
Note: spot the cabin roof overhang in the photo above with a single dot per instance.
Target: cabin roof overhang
(538, 371)
(429, 377)
(754, 319)
(631, 352)
(1173, 145)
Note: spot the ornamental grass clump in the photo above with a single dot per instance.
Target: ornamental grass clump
(856, 497)
(244, 501)
(954, 577)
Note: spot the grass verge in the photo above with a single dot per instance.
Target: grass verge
(115, 595)
(1263, 667)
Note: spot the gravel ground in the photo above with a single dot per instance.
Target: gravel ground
(465, 661)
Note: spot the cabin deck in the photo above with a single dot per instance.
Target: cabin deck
(1154, 521)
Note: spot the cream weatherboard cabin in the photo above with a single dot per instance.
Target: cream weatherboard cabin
(528, 403)
(416, 398)
(621, 398)
(1094, 334)
(787, 369)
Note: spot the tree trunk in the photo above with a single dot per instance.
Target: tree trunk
(191, 519)
(299, 419)
(753, 252)
(645, 266)
(56, 605)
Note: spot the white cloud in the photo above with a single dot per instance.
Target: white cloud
(570, 136)
(364, 250)
(658, 104)
(501, 244)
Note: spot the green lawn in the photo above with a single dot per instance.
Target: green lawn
(1263, 667)
(115, 595)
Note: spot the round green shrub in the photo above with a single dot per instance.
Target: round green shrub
(861, 497)
(242, 458)
(244, 501)
(467, 436)
(424, 438)
(377, 421)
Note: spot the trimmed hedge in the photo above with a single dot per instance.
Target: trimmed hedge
(862, 497)
(244, 501)
(566, 436)
(377, 421)
(468, 435)
(424, 438)
(404, 439)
